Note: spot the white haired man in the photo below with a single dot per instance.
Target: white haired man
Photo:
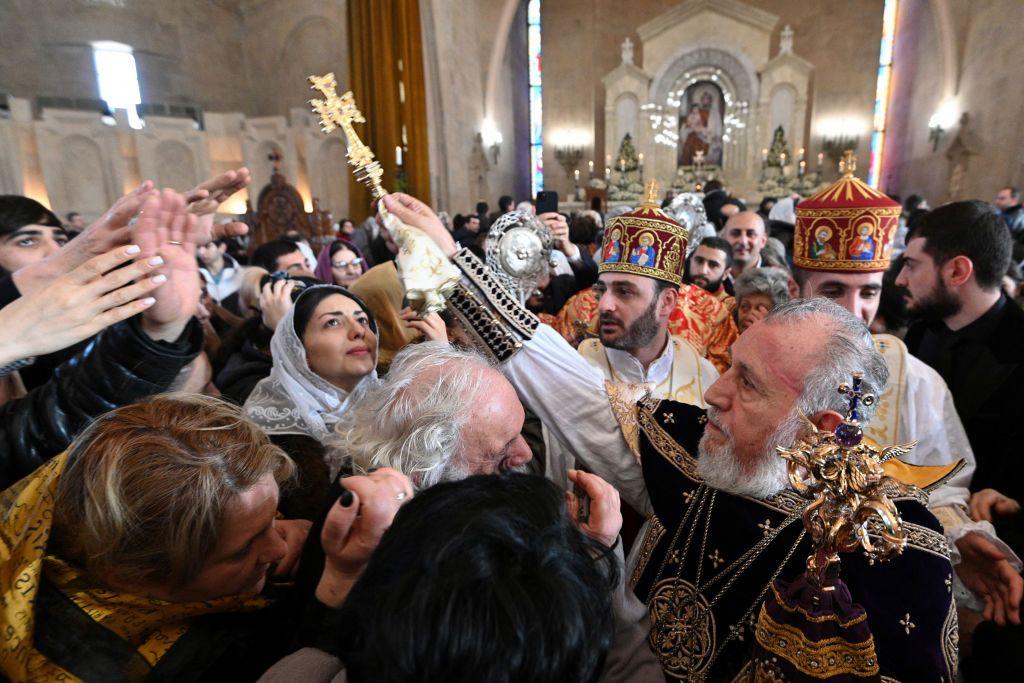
(915, 405)
(706, 567)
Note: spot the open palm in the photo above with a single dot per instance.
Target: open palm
(165, 229)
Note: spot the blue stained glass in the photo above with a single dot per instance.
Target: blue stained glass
(533, 12)
(533, 46)
(885, 54)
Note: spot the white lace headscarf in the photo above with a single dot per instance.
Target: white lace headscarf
(294, 399)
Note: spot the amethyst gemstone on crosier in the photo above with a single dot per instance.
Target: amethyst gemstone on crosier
(848, 434)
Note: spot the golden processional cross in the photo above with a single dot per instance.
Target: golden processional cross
(341, 112)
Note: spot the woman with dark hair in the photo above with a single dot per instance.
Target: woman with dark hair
(324, 349)
(340, 263)
(484, 579)
(29, 232)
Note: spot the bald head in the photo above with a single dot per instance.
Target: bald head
(746, 233)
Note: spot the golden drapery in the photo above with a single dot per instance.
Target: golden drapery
(386, 62)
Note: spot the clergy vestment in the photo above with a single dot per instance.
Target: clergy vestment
(908, 599)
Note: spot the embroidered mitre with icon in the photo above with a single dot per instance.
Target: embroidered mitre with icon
(847, 227)
(646, 241)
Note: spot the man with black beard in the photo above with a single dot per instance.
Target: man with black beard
(708, 268)
(970, 332)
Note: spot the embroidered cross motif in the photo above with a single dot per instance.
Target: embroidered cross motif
(688, 496)
(949, 583)
(765, 526)
(907, 624)
(737, 631)
(716, 559)
(674, 557)
(703, 419)
(669, 418)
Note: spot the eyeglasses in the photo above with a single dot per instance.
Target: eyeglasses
(345, 264)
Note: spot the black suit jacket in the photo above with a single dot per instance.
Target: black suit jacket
(989, 398)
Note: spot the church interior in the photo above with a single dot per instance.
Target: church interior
(511, 340)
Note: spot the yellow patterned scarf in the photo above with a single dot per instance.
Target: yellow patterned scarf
(26, 517)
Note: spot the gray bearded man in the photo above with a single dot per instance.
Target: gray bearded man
(726, 524)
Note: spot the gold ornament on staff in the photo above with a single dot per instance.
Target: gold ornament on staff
(426, 273)
(852, 504)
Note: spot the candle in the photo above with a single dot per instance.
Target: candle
(607, 159)
(764, 154)
(398, 155)
(622, 165)
(803, 166)
(591, 164)
(576, 174)
(782, 158)
(607, 172)
(821, 157)
(641, 158)
(800, 153)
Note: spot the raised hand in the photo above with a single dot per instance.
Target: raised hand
(412, 211)
(167, 230)
(276, 301)
(111, 230)
(205, 198)
(431, 325)
(79, 304)
(560, 233)
(354, 526)
(605, 519)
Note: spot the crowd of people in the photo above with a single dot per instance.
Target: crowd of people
(224, 460)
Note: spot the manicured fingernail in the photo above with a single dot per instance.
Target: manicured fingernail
(132, 250)
(159, 279)
(156, 261)
(148, 301)
(345, 499)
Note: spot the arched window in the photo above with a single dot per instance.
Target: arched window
(117, 78)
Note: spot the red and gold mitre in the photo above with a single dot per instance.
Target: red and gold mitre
(847, 227)
(645, 242)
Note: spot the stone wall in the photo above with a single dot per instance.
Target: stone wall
(581, 40)
(953, 57)
(244, 62)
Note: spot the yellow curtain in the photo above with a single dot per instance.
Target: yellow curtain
(386, 59)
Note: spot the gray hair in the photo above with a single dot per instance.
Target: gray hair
(848, 349)
(412, 419)
(773, 282)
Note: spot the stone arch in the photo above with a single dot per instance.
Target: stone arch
(782, 109)
(82, 175)
(176, 167)
(737, 71)
(627, 113)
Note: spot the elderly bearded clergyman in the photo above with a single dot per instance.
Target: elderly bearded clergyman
(726, 523)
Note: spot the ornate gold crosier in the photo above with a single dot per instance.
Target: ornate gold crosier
(426, 273)
(852, 504)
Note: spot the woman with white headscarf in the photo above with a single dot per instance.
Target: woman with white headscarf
(324, 351)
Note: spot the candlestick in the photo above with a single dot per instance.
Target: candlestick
(803, 166)
(641, 158)
(576, 175)
(821, 157)
(398, 155)
(591, 165)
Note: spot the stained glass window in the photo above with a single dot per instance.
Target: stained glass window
(536, 94)
(882, 91)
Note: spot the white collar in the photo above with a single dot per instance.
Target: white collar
(629, 369)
